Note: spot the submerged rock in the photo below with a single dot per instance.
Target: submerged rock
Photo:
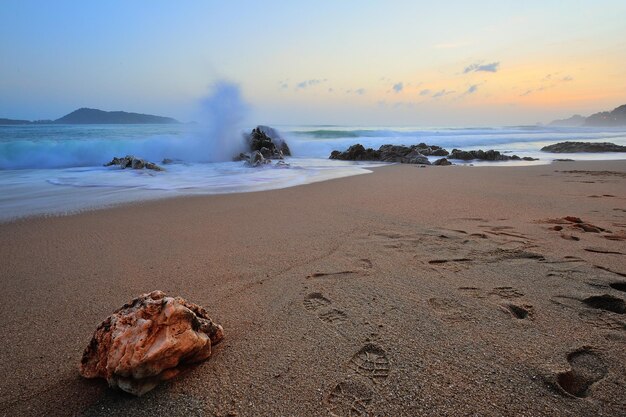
(148, 340)
(130, 161)
(573, 147)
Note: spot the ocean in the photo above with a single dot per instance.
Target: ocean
(58, 169)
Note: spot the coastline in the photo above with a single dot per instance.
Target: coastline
(421, 263)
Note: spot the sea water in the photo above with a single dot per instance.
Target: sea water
(58, 169)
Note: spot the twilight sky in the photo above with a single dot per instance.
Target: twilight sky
(454, 63)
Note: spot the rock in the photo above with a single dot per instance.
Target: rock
(267, 141)
(137, 163)
(130, 161)
(573, 147)
(414, 157)
(489, 155)
(147, 341)
(356, 153)
(256, 159)
(393, 153)
(442, 162)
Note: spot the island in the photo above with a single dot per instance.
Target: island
(95, 116)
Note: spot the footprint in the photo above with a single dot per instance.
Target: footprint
(315, 301)
(602, 319)
(449, 309)
(372, 362)
(443, 261)
(333, 316)
(506, 292)
(349, 398)
(587, 368)
(606, 302)
(328, 274)
(518, 311)
(472, 292)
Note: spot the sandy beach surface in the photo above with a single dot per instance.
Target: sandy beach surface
(439, 291)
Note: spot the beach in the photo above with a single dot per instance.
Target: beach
(409, 291)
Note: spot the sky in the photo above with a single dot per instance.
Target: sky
(392, 63)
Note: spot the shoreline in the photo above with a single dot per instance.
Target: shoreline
(423, 265)
(84, 207)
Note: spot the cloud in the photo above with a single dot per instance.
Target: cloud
(397, 87)
(567, 78)
(360, 91)
(425, 92)
(310, 83)
(442, 93)
(472, 89)
(493, 67)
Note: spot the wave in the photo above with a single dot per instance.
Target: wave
(217, 139)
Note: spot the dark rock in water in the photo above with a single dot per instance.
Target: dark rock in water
(489, 155)
(386, 153)
(253, 159)
(356, 153)
(563, 160)
(414, 157)
(393, 153)
(528, 158)
(442, 162)
(267, 141)
(573, 147)
(130, 161)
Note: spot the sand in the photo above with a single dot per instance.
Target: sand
(406, 292)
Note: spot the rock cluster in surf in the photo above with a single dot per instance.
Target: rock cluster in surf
(129, 161)
(574, 147)
(417, 154)
(149, 340)
(264, 144)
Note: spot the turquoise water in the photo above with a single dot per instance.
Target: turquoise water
(52, 169)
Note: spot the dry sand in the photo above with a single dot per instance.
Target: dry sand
(440, 291)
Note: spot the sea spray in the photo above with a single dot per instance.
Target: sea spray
(216, 137)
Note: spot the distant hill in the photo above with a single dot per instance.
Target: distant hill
(94, 116)
(574, 121)
(616, 117)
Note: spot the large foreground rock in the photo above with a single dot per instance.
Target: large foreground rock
(573, 147)
(148, 340)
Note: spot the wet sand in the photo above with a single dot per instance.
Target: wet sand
(406, 292)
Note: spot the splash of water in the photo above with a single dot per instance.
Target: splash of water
(217, 137)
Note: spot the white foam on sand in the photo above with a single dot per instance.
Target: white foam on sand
(64, 191)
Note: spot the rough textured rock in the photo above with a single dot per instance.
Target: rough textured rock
(130, 161)
(147, 341)
(573, 147)
(489, 155)
(386, 153)
(417, 154)
(356, 153)
(255, 159)
(268, 141)
(442, 162)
